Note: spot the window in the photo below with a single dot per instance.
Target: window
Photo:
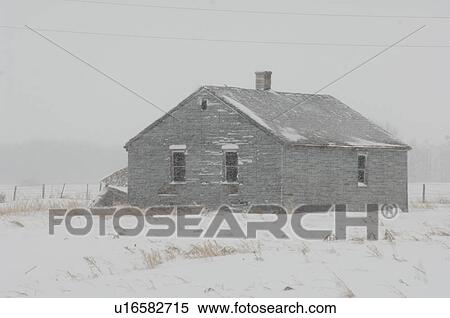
(204, 104)
(178, 166)
(231, 166)
(362, 170)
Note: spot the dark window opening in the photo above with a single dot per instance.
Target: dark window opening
(362, 173)
(204, 104)
(362, 162)
(361, 176)
(178, 166)
(231, 166)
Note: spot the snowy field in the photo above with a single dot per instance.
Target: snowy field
(411, 259)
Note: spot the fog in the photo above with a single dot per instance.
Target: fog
(39, 162)
(47, 97)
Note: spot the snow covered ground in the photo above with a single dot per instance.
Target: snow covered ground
(411, 259)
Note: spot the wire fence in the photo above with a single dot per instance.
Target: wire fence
(418, 192)
(10, 193)
(429, 192)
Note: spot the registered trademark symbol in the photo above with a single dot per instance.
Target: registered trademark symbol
(389, 211)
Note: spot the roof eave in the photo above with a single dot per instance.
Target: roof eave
(393, 147)
(160, 119)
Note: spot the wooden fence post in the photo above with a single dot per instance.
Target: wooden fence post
(15, 192)
(43, 191)
(62, 190)
(87, 191)
(423, 193)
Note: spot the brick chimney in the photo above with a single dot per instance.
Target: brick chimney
(263, 80)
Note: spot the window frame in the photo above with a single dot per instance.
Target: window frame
(365, 183)
(173, 166)
(225, 167)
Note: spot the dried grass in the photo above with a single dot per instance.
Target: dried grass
(17, 223)
(152, 258)
(172, 252)
(2, 197)
(439, 232)
(40, 205)
(96, 271)
(305, 249)
(389, 236)
(374, 251)
(340, 283)
(206, 249)
(209, 249)
(422, 205)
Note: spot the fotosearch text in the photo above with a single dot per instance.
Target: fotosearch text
(189, 221)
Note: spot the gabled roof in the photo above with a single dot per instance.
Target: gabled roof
(314, 120)
(306, 119)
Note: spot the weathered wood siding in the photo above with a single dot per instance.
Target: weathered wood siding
(319, 175)
(204, 132)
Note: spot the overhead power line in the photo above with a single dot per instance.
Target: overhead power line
(259, 12)
(351, 71)
(98, 70)
(175, 38)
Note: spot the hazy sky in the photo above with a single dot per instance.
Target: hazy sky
(47, 94)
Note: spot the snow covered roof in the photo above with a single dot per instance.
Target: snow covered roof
(316, 120)
(299, 119)
(118, 178)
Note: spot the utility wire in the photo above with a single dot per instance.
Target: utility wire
(351, 71)
(285, 13)
(159, 37)
(98, 70)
